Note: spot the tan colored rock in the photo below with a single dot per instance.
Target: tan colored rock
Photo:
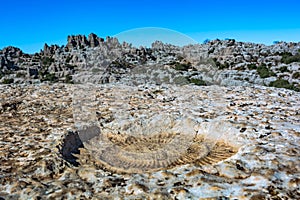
(35, 120)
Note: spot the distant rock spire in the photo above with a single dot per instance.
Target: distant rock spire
(81, 41)
(94, 40)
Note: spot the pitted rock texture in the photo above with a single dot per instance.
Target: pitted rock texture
(35, 120)
(94, 59)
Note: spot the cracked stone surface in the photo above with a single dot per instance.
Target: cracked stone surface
(263, 122)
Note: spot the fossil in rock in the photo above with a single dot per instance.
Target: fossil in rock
(123, 153)
(156, 143)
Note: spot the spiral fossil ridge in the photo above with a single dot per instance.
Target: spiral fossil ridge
(160, 142)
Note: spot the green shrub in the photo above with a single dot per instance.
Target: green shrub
(283, 69)
(264, 71)
(8, 81)
(281, 83)
(252, 66)
(224, 66)
(182, 66)
(198, 82)
(288, 58)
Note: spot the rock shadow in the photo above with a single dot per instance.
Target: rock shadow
(70, 146)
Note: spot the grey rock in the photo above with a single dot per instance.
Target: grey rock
(94, 40)
(79, 41)
(108, 61)
(32, 72)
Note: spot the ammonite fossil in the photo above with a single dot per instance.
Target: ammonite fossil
(158, 142)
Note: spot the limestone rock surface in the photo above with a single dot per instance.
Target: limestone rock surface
(37, 122)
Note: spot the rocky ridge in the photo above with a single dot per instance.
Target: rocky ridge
(253, 148)
(98, 60)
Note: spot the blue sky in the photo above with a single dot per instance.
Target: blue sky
(30, 24)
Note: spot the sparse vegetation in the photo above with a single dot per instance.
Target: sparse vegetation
(49, 77)
(47, 61)
(54, 66)
(222, 66)
(288, 58)
(251, 66)
(283, 69)
(198, 82)
(281, 83)
(264, 71)
(8, 81)
(182, 66)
